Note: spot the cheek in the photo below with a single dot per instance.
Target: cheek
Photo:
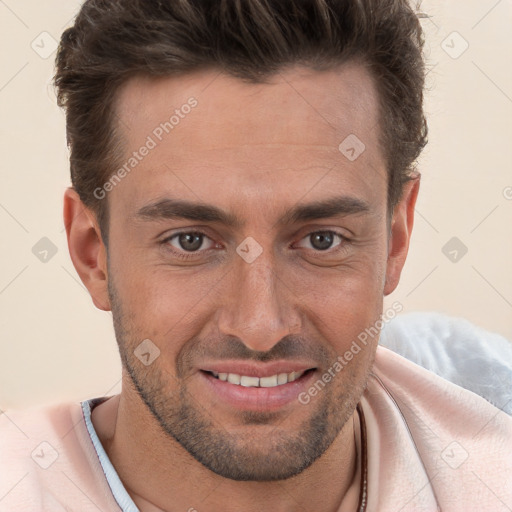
(166, 306)
(349, 317)
(345, 303)
(360, 275)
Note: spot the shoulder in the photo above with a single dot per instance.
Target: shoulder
(463, 442)
(21, 429)
(30, 444)
(48, 462)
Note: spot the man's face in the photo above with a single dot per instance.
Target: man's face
(280, 273)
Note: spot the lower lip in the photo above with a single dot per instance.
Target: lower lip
(256, 398)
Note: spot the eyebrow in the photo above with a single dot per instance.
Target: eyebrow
(178, 209)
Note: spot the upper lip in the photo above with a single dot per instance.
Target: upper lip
(251, 369)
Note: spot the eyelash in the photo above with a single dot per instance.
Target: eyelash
(187, 256)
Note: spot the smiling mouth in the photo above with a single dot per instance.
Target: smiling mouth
(247, 381)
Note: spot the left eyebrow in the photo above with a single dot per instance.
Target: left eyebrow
(172, 209)
(337, 206)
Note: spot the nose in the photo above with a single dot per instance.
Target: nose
(258, 306)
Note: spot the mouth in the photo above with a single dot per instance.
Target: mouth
(248, 381)
(262, 393)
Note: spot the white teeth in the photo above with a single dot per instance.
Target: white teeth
(249, 382)
(233, 378)
(268, 382)
(294, 376)
(282, 378)
(254, 382)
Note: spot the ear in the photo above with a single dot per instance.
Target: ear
(86, 248)
(400, 233)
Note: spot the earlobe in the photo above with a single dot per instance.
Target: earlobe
(401, 229)
(86, 248)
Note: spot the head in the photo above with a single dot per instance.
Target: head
(243, 192)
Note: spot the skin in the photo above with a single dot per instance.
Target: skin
(255, 151)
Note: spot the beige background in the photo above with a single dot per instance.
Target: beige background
(56, 345)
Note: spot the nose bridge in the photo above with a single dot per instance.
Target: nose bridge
(259, 311)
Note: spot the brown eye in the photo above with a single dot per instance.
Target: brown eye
(189, 242)
(323, 241)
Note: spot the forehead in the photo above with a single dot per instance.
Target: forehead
(206, 130)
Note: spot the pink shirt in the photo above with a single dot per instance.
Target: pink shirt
(431, 446)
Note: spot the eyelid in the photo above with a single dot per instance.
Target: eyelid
(199, 230)
(176, 235)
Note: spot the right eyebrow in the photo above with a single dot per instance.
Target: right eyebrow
(174, 209)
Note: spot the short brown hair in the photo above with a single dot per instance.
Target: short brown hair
(114, 40)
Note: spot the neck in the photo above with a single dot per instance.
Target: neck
(172, 476)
